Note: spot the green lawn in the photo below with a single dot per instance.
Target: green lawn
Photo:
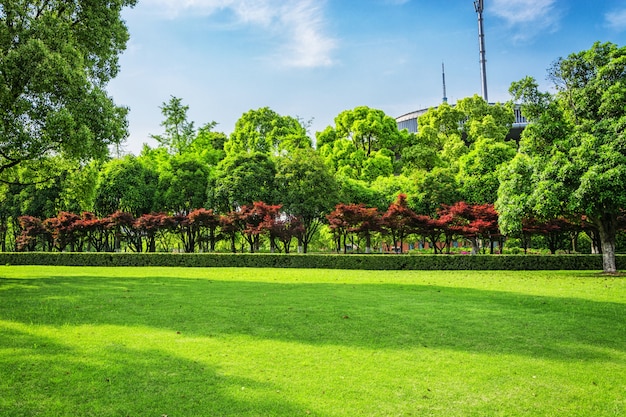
(266, 342)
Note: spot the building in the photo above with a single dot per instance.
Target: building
(409, 122)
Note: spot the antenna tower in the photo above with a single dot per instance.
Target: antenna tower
(443, 75)
(479, 6)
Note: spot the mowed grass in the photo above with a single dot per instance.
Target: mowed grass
(266, 342)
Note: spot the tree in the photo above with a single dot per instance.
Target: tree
(369, 130)
(399, 220)
(357, 219)
(241, 179)
(229, 226)
(179, 132)
(254, 220)
(205, 219)
(483, 120)
(267, 132)
(284, 228)
(476, 222)
(182, 185)
(208, 146)
(306, 190)
(478, 170)
(56, 58)
(151, 225)
(63, 230)
(125, 185)
(434, 188)
(576, 141)
(32, 233)
(364, 144)
(123, 226)
(97, 231)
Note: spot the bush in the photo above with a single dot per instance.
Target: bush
(328, 261)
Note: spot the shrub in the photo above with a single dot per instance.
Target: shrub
(328, 261)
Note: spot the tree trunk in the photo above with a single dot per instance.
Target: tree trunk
(607, 231)
(475, 247)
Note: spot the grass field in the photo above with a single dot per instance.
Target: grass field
(264, 342)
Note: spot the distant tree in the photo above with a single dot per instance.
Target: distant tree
(125, 185)
(267, 132)
(33, 233)
(476, 222)
(63, 230)
(434, 188)
(478, 170)
(399, 220)
(208, 145)
(369, 130)
(182, 184)
(242, 179)
(123, 226)
(357, 219)
(179, 132)
(283, 228)
(230, 226)
(254, 220)
(97, 231)
(151, 225)
(205, 221)
(306, 189)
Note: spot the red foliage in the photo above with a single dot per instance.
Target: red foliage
(284, 228)
(473, 221)
(63, 230)
(254, 220)
(32, 231)
(150, 225)
(229, 225)
(400, 221)
(354, 218)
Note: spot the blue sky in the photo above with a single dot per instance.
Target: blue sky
(313, 59)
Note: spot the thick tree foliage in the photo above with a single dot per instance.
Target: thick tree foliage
(267, 132)
(56, 58)
(576, 145)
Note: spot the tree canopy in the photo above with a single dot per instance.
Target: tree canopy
(576, 144)
(56, 58)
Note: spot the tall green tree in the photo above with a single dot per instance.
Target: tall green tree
(265, 131)
(307, 190)
(577, 142)
(56, 58)
(179, 132)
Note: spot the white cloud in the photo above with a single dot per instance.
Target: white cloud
(308, 45)
(299, 25)
(616, 20)
(527, 18)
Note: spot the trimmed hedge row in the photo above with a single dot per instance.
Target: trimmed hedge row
(328, 261)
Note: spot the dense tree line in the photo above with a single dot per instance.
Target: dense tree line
(361, 183)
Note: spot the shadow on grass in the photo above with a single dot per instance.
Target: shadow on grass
(41, 376)
(364, 315)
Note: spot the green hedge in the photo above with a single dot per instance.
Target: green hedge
(329, 261)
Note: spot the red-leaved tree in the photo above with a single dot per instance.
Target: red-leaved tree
(400, 221)
(32, 233)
